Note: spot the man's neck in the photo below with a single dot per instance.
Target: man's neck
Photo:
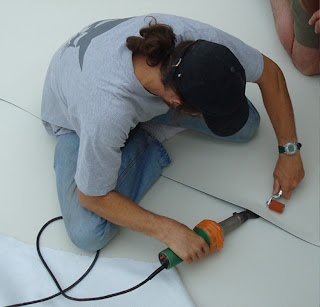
(148, 76)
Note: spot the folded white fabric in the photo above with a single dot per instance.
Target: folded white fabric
(24, 278)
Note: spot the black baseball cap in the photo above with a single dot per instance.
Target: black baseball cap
(211, 79)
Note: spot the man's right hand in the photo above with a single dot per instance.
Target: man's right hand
(184, 242)
(122, 211)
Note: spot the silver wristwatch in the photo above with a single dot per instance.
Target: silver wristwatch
(290, 148)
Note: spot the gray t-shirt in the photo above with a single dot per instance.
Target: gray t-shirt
(91, 89)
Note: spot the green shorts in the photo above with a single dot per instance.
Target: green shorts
(304, 33)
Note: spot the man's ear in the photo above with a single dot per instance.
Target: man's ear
(175, 100)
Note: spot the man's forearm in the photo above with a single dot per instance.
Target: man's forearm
(120, 210)
(289, 169)
(277, 102)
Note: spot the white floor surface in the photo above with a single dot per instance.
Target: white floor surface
(260, 265)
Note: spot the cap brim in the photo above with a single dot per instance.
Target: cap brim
(229, 124)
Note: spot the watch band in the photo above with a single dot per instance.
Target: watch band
(282, 149)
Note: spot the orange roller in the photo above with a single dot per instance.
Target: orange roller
(276, 206)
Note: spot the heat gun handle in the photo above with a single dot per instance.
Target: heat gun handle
(169, 258)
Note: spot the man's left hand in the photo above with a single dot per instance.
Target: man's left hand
(287, 174)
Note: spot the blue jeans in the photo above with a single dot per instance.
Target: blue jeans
(143, 157)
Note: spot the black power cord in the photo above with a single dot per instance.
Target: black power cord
(63, 291)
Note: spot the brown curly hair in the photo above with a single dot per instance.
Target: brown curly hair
(157, 44)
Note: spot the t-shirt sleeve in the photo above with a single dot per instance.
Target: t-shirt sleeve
(97, 167)
(250, 58)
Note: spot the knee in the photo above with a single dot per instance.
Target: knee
(308, 69)
(247, 135)
(306, 60)
(250, 128)
(92, 240)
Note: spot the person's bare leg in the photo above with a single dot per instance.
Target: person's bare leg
(284, 23)
(305, 59)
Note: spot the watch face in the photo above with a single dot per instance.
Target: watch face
(291, 148)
